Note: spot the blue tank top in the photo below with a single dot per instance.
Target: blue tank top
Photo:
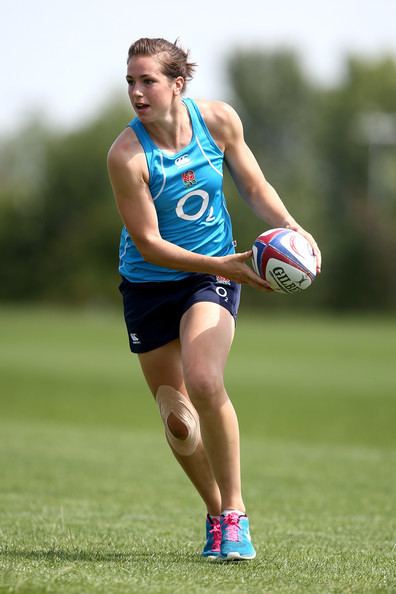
(187, 190)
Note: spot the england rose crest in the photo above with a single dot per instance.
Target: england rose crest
(188, 178)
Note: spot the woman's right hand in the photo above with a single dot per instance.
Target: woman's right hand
(235, 268)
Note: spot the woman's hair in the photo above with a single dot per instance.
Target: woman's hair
(173, 59)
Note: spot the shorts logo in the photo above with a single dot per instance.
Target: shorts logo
(222, 280)
(183, 160)
(222, 292)
(188, 178)
(135, 338)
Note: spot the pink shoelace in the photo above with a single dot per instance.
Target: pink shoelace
(231, 527)
(216, 531)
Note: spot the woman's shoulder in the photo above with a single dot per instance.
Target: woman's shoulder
(216, 112)
(126, 149)
(221, 119)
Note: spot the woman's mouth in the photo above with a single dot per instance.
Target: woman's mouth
(141, 107)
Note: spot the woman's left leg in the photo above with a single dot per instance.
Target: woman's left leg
(206, 335)
(207, 330)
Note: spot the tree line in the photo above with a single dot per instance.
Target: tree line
(329, 151)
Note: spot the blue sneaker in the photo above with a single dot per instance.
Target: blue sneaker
(213, 539)
(236, 543)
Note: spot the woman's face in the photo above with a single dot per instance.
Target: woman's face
(150, 91)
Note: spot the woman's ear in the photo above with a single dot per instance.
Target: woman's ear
(179, 85)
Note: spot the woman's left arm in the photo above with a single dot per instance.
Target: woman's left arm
(248, 177)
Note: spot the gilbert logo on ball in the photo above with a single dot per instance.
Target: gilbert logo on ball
(285, 259)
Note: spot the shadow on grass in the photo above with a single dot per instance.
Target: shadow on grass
(134, 557)
(62, 555)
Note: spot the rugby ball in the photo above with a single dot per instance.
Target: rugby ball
(285, 259)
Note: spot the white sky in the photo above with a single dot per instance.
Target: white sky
(65, 58)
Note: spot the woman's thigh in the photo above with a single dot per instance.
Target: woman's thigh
(163, 367)
(206, 335)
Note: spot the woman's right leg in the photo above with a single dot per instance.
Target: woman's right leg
(162, 369)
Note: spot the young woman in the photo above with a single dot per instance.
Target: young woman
(180, 274)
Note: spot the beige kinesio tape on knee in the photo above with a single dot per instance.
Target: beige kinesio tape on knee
(170, 401)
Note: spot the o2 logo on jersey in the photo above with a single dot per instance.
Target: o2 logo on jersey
(188, 178)
(194, 196)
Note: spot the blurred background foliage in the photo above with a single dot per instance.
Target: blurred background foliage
(329, 151)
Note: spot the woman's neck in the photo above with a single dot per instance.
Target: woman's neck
(174, 132)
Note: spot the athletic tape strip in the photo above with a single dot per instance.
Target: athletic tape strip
(170, 401)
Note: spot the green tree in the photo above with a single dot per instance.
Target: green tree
(59, 234)
(361, 269)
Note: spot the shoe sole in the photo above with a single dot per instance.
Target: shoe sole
(211, 557)
(238, 557)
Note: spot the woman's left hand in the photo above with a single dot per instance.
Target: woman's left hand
(310, 239)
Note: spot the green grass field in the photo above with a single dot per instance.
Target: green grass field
(90, 494)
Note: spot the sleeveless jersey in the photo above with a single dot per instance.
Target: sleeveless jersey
(187, 190)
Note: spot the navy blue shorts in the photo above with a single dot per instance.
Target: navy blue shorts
(153, 311)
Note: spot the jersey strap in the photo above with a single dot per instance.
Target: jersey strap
(199, 123)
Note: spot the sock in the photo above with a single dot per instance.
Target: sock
(233, 511)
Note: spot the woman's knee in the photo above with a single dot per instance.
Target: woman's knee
(180, 419)
(205, 387)
(177, 427)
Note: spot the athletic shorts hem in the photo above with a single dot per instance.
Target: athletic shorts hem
(206, 300)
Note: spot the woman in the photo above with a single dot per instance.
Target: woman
(180, 274)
